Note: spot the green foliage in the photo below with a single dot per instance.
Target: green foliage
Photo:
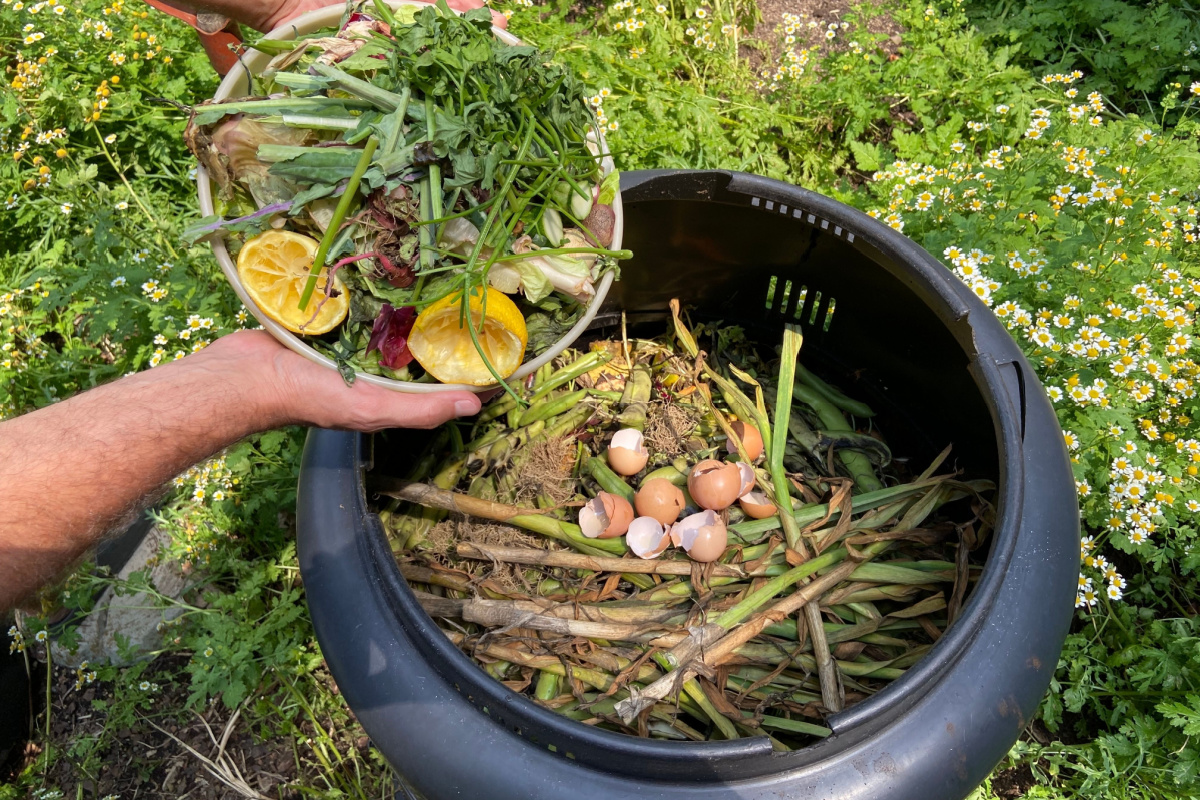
(1080, 232)
(943, 128)
(1130, 51)
(796, 118)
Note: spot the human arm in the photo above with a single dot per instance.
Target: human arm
(70, 471)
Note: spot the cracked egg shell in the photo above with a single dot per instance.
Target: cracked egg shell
(702, 536)
(647, 538)
(715, 485)
(660, 499)
(627, 453)
(748, 478)
(605, 516)
(751, 440)
(756, 505)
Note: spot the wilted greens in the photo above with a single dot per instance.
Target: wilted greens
(429, 159)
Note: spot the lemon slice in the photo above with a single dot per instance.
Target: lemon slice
(444, 348)
(274, 267)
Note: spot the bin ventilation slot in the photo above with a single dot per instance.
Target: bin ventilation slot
(811, 309)
(828, 315)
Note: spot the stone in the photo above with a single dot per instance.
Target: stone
(137, 618)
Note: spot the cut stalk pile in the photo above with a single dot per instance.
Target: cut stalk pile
(834, 572)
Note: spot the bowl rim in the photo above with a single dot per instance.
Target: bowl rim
(251, 63)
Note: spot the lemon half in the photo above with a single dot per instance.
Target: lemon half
(274, 267)
(444, 348)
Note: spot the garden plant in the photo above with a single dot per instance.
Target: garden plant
(1071, 210)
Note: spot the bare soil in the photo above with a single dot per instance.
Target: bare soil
(1013, 782)
(767, 37)
(147, 763)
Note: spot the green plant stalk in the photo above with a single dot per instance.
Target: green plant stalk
(314, 122)
(446, 478)
(620, 255)
(635, 399)
(501, 380)
(339, 215)
(552, 407)
(547, 686)
(397, 132)
(708, 711)
(426, 236)
(793, 726)
(435, 169)
(581, 365)
(858, 465)
(746, 531)
(722, 723)
(847, 404)
(758, 598)
(609, 481)
(384, 12)
(792, 341)
(497, 409)
(668, 473)
(380, 98)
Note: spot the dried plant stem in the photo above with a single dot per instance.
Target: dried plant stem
(529, 519)
(710, 643)
(559, 558)
(444, 606)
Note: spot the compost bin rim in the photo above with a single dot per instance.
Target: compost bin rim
(591, 745)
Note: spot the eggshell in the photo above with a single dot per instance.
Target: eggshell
(703, 536)
(605, 516)
(592, 519)
(748, 477)
(627, 454)
(751, 440)
(714, 484)
(647, 538)
(660, 499)
(756, 505)
(619, 512)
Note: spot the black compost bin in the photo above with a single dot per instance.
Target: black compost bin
(885, 319)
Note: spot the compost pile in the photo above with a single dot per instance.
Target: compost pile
(420, 199)
(683, 544)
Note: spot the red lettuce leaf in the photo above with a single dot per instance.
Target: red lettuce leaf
(389, 335)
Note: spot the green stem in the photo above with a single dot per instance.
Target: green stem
(335, 224)
(792, 340)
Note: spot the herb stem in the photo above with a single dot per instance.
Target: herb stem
(339, 216)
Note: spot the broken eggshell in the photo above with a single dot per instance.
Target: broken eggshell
(756, 505)
(627, 453)
(748, 477)
(751, 440)
(702, 536)
(715, 485)
(660, 499)
(605, 516)
(647, 538)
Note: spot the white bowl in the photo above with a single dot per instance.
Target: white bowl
(236, 84)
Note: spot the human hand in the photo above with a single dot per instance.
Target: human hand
(269, 14)
(293, 390)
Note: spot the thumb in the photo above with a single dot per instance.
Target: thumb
(396, 410)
